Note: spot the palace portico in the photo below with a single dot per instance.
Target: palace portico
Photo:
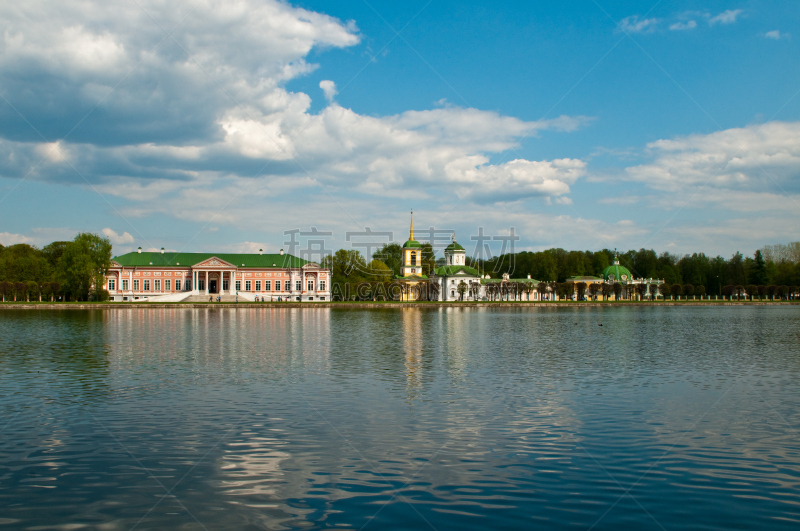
(176, 276)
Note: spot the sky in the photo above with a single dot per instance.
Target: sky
(210, 126)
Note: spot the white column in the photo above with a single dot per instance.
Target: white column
(206, 286)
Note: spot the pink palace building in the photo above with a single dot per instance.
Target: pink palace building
(174, 277)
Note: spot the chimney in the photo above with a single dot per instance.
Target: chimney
(281, 252)
(140, 250)
(260, 251)
(162, 250)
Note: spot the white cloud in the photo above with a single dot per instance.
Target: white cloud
(7, 238)
(632, 24)
(681, 26)
(776, 35)
(328, 88)
(183, 137)
(116, 238)
(757, 158)
(726, 17)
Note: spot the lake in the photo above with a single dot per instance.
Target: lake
(275, 418)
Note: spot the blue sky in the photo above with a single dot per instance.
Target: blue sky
(202, 126)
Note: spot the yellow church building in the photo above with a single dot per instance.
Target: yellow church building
(412, 275)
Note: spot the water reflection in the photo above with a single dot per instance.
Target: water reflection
(285, 418)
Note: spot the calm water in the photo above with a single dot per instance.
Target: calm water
(401, 419)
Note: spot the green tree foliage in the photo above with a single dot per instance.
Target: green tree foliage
(428, 259)
(82, 266)
(391, 254)
(379, 272)
(347, 266)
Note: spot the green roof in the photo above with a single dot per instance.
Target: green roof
(454, 247)
(617, 272)
(411, 244)
(579, 278)
(189, 259)
(454, 270)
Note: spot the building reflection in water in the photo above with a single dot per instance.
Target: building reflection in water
(413, 347)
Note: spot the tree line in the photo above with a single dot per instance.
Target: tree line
(66, 271)
(774, 265)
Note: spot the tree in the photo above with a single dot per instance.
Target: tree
(475, 290)
(771, 290)
(688, 290)
(462, 289)
(653, 291)
(83, 265)
(727, 291)
(6, 289)
(700, 290)
(641, 290)
(616, 287)
(581, 290)
(55, 287)
(391, 254)
(676, 290)
(347, 266)
(379, 272)
(739, 289)
(594, 287)
(33, 291)
(762, 290)
(751, 290)
(758, 274)
(606, 290)
(664, 289)
(20, 288)
(428, 258)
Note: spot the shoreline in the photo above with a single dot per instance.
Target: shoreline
(373, 305)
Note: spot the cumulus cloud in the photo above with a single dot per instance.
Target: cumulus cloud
(726, 17)
(328, 88)
(117, 238)
(682, 26)
(758, 158)
(633, 24)
(209, 111)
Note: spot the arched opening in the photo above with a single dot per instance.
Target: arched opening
(413, 258)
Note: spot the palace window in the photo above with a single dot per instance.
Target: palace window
(287, 285)
(238, 285)
(135, 284)
(413, 258)
(225, 284)
(310, 285)
(413, 270)
(267, 285)
(167, 284)
(147, 284)
(322, 286)
(188, 286)
(177, 284)
(157, 283)
(247, 285)
(298, 285)
(258, 285)
(125, 284)
(201, 284)
(112, 284)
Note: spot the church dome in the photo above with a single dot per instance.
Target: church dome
(454, 247)
(411, 244)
